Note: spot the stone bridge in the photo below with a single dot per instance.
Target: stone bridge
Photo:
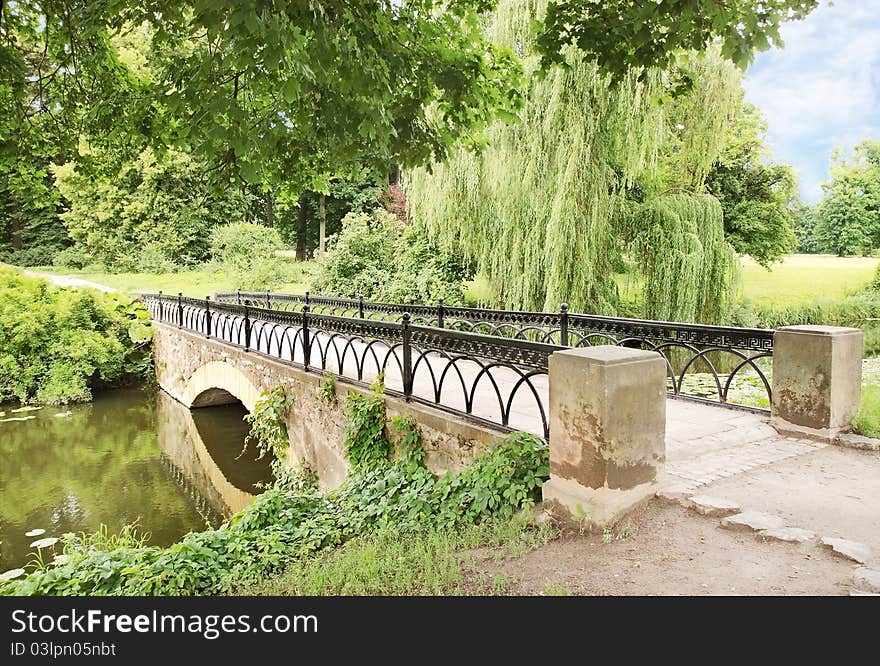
(615, 436)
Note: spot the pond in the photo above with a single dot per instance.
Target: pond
(131, 455)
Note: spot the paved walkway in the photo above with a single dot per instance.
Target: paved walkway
(705, 443)
(68, 281)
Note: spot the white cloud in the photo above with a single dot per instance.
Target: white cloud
(823, 89)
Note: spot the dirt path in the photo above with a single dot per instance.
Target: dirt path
(667, 550)
(68, 281)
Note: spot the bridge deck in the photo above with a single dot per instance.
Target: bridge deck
(704, 442)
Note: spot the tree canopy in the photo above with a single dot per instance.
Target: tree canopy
(625, 34)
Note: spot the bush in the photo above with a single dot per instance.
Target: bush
(376, 256)
(247, 253)
(57, 344)
(71, 258)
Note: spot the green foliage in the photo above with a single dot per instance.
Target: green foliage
(688, 266)
(153, 213)
(805, 219)
(376, 256)
(57, 344)
(246, 251)
(847, 220)
(542, 211)
(867, 420)
(286, 524)
(327, 389)
(622, 35)
(431, 561)
(365, 442)
(268, 427)
(754, 194)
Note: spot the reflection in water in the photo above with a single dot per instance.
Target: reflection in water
(130, 455)
(205, 445)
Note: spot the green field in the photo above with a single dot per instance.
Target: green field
(805, 278)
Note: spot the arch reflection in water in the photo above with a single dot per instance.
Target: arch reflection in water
(205, 446)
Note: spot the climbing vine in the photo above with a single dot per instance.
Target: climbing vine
(365, 442)
(268, 430)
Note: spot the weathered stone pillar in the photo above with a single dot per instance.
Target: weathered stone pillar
(817, 379)
(607, 432)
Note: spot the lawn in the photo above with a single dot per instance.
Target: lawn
(805, 278)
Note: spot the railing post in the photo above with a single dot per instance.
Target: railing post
(180, 309)
(161, 307)
(439, 313)
(407, 356)
(307, 300)
(607, 434)
(207, 316)
(268, 301)
(817, 380)
(563, 324)
(238, 296)
(361, 307)
(306, 342)
(247, 328)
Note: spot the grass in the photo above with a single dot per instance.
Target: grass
(867, 421)
(799, 279)
(196, 283)
(805, 278)
(432, 562)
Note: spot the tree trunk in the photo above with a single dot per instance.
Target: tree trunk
(301, 230)
(15, 232)
(270, 210)
(322, 217)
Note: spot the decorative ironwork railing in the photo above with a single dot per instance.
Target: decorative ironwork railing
(494, 380)
(718, 364)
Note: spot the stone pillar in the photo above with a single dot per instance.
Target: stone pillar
(817, 379)
(607, 432)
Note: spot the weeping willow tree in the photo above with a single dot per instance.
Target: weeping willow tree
(593, 171)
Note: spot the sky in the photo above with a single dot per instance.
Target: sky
(822, 90)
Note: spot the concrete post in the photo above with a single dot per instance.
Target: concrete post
(607, 432)
(817, 379)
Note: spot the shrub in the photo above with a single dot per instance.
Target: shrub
(247, 253)
(71, 257)
(57, 344)
(376, 256)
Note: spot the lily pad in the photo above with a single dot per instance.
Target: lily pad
(63, 414)
(12, 574)
(45, 543)
(35, 532)
(24, 409)
(20, 418)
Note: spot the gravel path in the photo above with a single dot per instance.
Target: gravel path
(68, 281)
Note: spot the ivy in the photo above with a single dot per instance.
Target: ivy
(365, 442)
(268, 430)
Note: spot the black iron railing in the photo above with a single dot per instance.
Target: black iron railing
(497, 381)
(718, 364)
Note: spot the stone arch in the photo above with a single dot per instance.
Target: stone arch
(218, 382)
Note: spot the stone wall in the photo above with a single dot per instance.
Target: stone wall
(199, 372)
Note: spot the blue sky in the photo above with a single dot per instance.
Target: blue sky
(822, 90)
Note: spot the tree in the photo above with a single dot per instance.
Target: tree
(546, 211)
(269, 91)
(755, 195)
(849, 216)
(805, 219)
(629, 34)
(153, 213)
